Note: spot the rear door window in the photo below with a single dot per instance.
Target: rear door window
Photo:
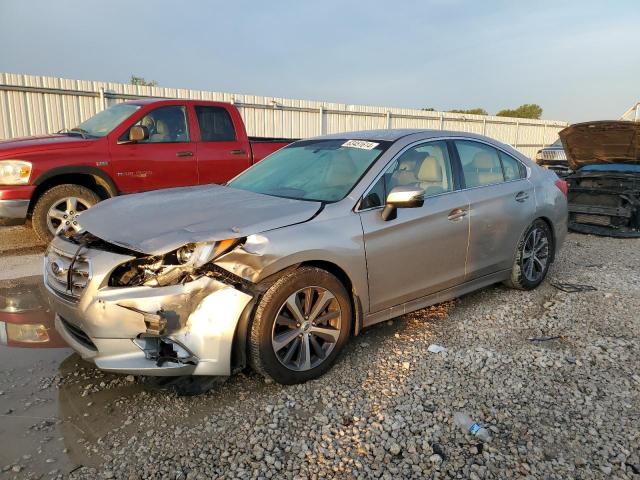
(215, 124)
(480, 163)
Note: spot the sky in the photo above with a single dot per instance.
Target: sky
(579, 60)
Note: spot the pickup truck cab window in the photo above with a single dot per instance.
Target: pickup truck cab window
(215, 124)
(426, 166)
(165, 125)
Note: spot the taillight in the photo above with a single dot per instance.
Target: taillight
(563, 186)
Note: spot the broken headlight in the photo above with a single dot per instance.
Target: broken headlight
(199, 254)
(175, 267)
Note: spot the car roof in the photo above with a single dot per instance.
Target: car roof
(395, 134)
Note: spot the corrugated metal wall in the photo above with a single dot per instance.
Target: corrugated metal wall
(32, 105)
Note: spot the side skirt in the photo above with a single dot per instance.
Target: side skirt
(438, 297)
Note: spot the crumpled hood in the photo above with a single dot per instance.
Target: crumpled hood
(160, 221)
(601, 142)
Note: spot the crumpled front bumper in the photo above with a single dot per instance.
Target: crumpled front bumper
(109, 325)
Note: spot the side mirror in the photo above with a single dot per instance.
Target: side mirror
(402, 197)
(138, 133)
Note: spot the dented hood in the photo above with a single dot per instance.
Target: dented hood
(601, 142)
(163, 220)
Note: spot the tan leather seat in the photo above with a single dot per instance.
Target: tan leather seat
(483, 171)
(162, 133)
(430, 176)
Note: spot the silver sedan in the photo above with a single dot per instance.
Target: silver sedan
(280, 267)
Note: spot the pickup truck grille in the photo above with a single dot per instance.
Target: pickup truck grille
(554, 155)
(65, 276)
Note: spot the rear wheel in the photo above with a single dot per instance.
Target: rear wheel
(533, 257)
(56, 211)
(300, 326)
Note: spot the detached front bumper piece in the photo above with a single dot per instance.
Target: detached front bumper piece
(184, 329)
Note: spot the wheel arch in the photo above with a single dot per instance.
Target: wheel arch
(92, 178)
(241, 334)
(553, 235)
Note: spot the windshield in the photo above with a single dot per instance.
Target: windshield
(102, 123)
(320, 170)
(557, 144)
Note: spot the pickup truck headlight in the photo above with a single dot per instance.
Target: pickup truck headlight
(538, 156)
(14, 172)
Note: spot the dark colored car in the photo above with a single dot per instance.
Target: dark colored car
(604, 190)
(128, 148)
(554, 158)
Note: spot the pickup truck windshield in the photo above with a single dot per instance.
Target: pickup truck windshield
(318, 170)
(102, 123)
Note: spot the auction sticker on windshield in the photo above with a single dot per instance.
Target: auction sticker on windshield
(362, 144)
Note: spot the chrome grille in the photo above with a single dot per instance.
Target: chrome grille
(554, 155)
(69, 285)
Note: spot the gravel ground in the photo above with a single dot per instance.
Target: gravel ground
(553, 375)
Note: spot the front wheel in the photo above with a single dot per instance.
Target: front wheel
(300, 326)
(533, 257)
(56, 211)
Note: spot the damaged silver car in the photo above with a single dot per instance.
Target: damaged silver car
(604, 190)
(280, 267)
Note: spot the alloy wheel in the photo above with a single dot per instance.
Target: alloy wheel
(63, 215)
(535, 254)
(306, 328)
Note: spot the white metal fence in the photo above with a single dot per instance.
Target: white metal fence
(32, 105)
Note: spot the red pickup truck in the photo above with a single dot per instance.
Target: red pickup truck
(130, 147)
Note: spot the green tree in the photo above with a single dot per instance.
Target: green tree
(471, 111)
(428, 109)
(528, 110)
(134, 80)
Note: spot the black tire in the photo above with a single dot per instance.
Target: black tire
(520, 279)
(262, 356)
(53, 196)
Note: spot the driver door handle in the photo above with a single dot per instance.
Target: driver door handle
(457, 214)
(185, 153)
(521, 196)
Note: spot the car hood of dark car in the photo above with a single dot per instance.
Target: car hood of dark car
(600, 142)
(160, 221)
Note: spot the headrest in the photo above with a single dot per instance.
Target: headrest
(483, 160)
(430, 171)
(161, 127)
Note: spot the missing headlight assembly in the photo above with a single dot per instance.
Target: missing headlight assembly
(185, 264)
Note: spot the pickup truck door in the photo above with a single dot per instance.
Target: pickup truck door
(222, 146)
(166, 159)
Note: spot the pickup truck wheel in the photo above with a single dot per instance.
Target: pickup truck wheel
(300, 326)
(533, 257)
(56, 211)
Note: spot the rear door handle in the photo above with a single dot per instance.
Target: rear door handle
(184, 153)
(457, 214)
(521, 196)
(237, 151)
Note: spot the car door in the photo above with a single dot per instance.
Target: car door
(502, 205)
(423, 250)
(221, 153)
(165, 159)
